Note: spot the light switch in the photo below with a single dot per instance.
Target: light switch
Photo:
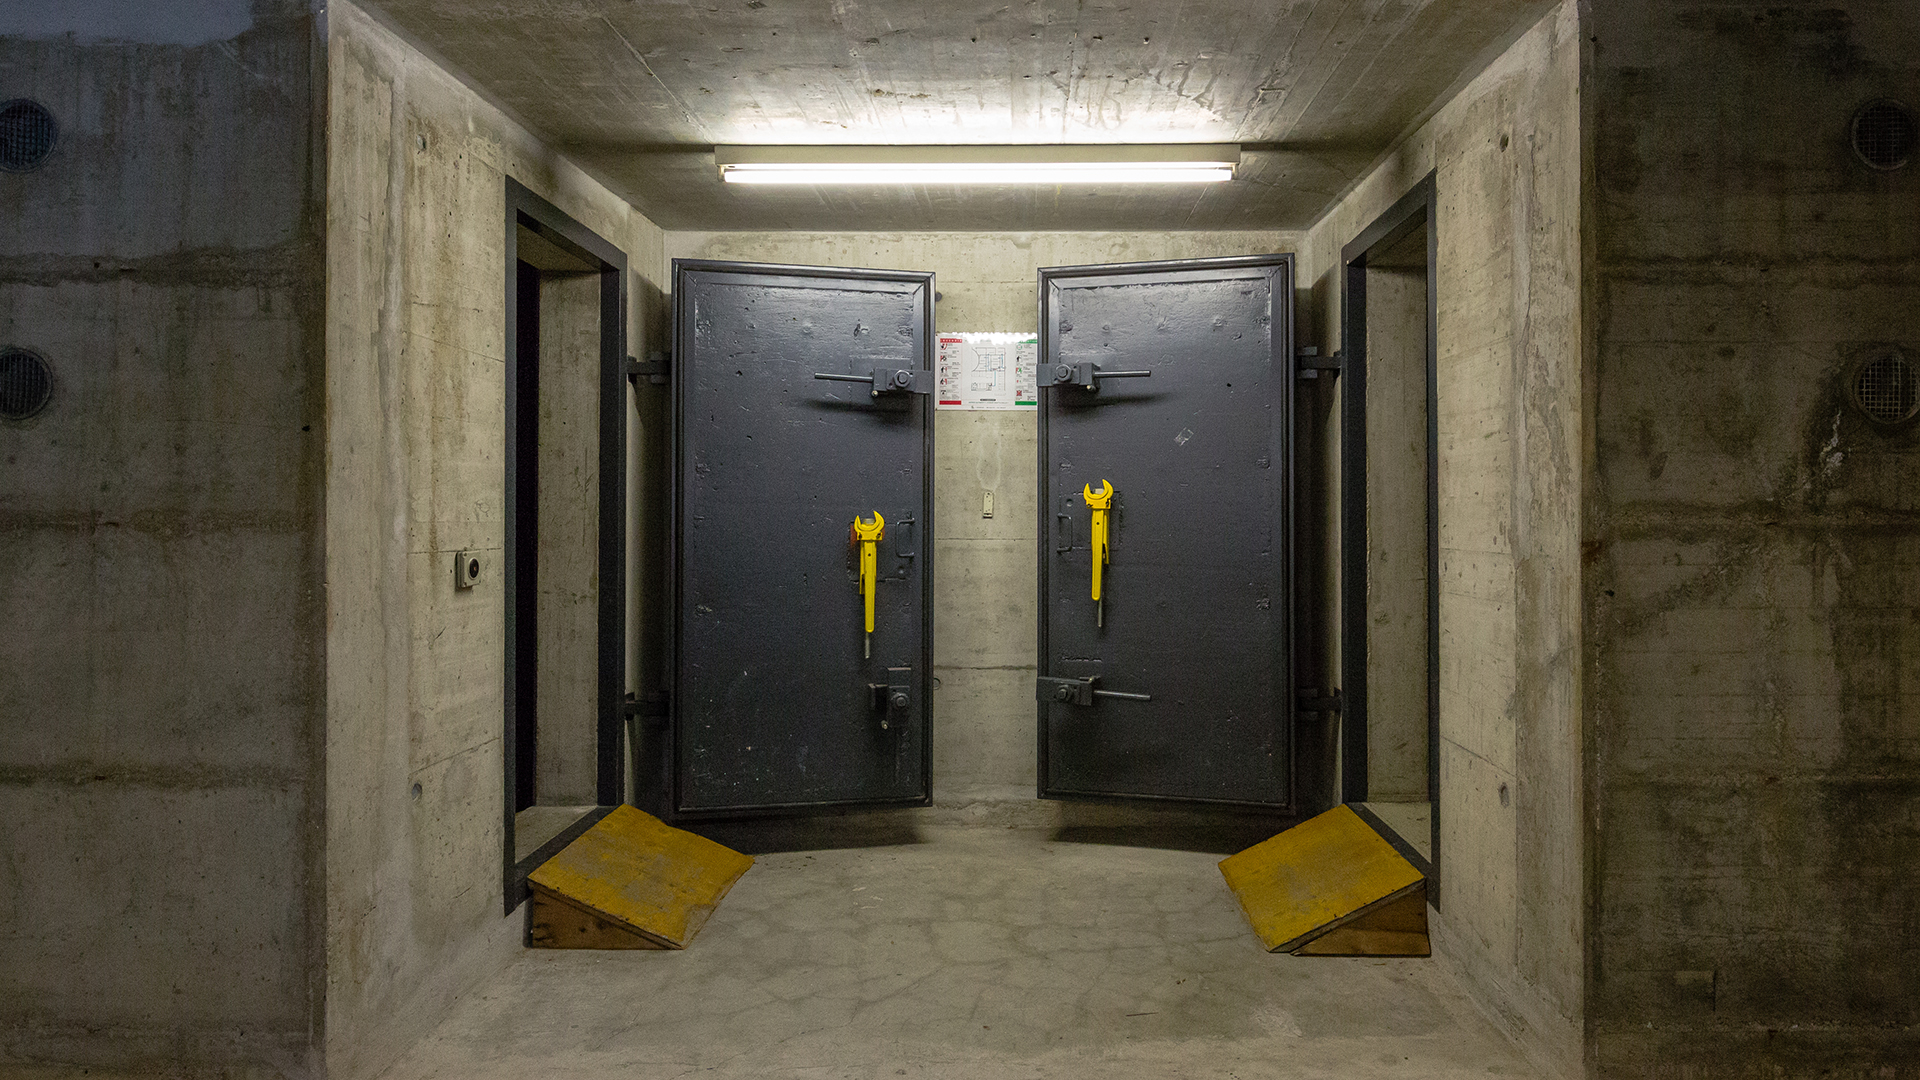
(986, 504)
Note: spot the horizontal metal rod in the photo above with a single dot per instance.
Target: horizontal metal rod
(1121, 374)
(1123, 697)
(842, 378)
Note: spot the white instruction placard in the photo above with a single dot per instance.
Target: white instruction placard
(980, 371)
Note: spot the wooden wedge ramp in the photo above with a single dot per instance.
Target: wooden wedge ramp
(630, 882)
(1331, 886)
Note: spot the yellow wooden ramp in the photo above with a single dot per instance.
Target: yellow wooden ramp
(1331, 886)
(630, 882)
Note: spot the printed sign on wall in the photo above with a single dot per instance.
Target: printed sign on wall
(987, 371)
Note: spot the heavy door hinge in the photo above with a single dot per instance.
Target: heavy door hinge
(657, 706)
(654, 369)
(1311, 700)
(1078, 691)
(1309, 362)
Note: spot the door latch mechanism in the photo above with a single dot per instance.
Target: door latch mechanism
(892, 699)
(1097, 541)
(867, 534)
(1079, 691)
(887, 380)
(1086, 376)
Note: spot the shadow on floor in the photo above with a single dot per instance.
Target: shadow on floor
(829, 832)
(1205, 830)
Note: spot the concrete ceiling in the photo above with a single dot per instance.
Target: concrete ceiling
(641, 90)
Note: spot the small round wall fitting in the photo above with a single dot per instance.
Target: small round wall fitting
(1885, 134)
(25, 383)
(1886, 386)
(27, 134)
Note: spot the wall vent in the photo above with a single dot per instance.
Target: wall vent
(25, 383)
(1887, 387)
(1884, 134)
(27, 134)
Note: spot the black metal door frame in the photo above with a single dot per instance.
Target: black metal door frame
(1415, 210)
(1282, 358)
(524, 208)
(676, 496)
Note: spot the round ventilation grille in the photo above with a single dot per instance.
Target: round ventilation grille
(1884, 133)
(25, 384)
(27, 134)
(1887, 388)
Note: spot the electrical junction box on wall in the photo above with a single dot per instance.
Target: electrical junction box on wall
(466, 569)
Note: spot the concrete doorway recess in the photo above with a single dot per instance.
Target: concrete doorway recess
(564, 555)
(1390, 529)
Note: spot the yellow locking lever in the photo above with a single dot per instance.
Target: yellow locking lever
(1099, 504)
(868, 535)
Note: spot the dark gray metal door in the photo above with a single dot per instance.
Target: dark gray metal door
(776, 702)
(1177, 683)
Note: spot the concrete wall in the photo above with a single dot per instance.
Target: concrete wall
(160, 660)
(985, 613)
(1753, 547)
(1507, 153)
(1396, 549)
(415, 471)
(568, 646)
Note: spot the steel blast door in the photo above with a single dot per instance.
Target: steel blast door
(774, 703)
(1196, 589)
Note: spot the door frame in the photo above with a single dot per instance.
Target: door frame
(523, 207)
(1282, 350)
(681, 351)
(1417, 209)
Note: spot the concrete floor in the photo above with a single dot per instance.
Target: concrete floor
(978, 952)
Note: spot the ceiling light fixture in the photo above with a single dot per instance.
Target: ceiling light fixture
(1175, 163)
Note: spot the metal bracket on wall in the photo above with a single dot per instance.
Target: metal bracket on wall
(654, 369)
(1311, 363)
(1312, 701)
(1078, 691)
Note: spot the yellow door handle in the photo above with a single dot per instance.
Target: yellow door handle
(1097, 541)
(868, 535)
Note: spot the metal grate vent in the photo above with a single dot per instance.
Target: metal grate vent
(1887, 388)
(1884, 133)
(25, 384)
(27, 135)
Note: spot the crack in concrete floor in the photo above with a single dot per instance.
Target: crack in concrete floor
(979, 953)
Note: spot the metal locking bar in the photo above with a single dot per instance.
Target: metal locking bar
(1079, 691)
(1086, 376)
(887, 380)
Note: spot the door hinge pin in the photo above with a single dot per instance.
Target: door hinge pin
(656, 706)
(1312, 701)
(1310, 363)
(654, 368)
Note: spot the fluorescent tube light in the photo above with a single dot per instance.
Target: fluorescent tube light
(1080, 164)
